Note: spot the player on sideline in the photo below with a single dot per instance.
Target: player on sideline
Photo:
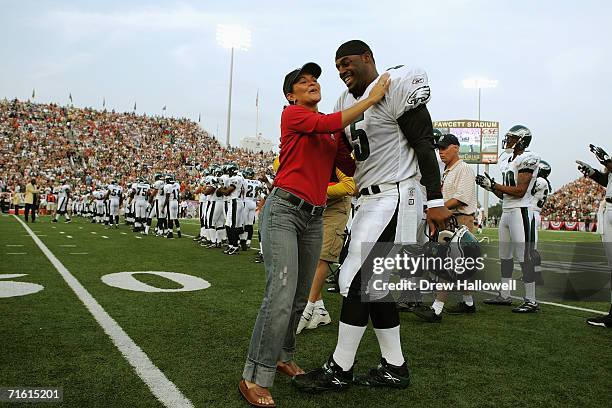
(539, 193)
(391, 142)
(157, 206)
(115, 196)
(172, 189)
(140, 198)
(605, 179)
(516, 227)
(63, 195)
(252, 190)
(232, 190)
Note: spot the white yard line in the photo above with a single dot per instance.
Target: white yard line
(68, 245)
(16, 253)
(554, 304)
(161, 387)
(13, 245)
(79, 253)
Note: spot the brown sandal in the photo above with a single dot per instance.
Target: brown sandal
(253, 394)
(290, 368)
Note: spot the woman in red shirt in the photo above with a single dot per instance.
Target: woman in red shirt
(291, 225)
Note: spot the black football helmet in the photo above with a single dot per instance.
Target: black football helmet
(544, 169)
(248, 173)
(231, 169)
(522, 133)
(437, 134)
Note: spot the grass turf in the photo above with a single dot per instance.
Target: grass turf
(199, 339)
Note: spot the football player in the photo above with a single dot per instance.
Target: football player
(215, 211)
(605, 179)
(252, 190)
(232, 189)
(519, 169)
(114, 196)
(203, 203)
(172, 190)
(140, 198)
(539, 194)
(393, 147)
(157, 206)
(63, 195)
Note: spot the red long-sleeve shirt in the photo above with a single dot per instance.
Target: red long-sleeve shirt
(312, 144)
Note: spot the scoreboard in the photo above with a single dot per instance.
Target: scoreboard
(478, 138)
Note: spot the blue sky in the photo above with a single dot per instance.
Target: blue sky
(551, 58)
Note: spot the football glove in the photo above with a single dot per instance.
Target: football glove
(585, 169)
(486, 182)
(602, 156)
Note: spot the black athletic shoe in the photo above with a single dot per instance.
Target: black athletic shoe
(53, 220)
(601, 321)
(527, 307)
(461, 308)
(330, 377)
(170, 235)
(429, 315)
(498, 300)
(386, 375)
(409, 306)
(233, 251)
(258, 258)
(244, 246)
(178, 233)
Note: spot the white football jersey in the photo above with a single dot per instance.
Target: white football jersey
(142, 191)
(236, 181)
(115, 191)
(63, 191)
(510, 169)
(176, 191)
(252, 189)
(539, 194)
(381, 150)
(159, 186)
(99, 194)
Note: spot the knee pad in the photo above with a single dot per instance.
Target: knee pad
(507, 267)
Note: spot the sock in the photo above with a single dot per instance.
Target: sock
(504, 292)
(349, 338)
(319, 304)
(530, 291)
(468, 300)
(390, 346)
(437, 307)
(203, 232)
(56, 217)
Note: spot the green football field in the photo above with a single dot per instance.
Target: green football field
(108, 346)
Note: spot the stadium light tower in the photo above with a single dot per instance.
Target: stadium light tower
(232, 37)
(480, 84)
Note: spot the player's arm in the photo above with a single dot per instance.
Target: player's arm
(453, 203)
(522, 184)
(417, 127)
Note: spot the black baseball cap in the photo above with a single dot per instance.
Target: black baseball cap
(292, 77)
(447, 140)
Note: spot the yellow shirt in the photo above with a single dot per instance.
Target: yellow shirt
(29, 193)
(344, 187)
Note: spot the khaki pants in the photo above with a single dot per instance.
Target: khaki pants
(335, 218)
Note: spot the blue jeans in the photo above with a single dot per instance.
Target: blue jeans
(291, 242)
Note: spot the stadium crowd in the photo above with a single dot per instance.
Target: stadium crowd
(85, 146)
(578, 200)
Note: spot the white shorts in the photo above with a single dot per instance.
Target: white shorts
(114, 207)
(516, 233)
(158, 210)
(140, 208)
(234, 218)
(173, 208)
(216, 214)
(401, 205)
(249, 212)
(100, 207)
(537, 223)
(607, 232)
(62, 205)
